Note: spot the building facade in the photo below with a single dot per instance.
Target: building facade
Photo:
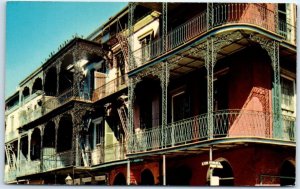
(163, 94)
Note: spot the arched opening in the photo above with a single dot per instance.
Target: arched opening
(225, 174)
(120, 179)
(179, 176)
(49, 139)
(147, 102)
(37, 85)
(35, 150)
(287, 174)
(147, 177)
(24, 148)
(25, 92)
(64, 134)
(65, 74)
(51, 82)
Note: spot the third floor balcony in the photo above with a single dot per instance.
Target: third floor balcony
(259, 16)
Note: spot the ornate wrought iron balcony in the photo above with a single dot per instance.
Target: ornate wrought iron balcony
(10, 175)
(110, 88)
(226, 124)
(52, 161)
(28, 168)
(104, 154)
(221, 14)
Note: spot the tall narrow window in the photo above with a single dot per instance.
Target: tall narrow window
(287, 95)
(282, 19)
(99, 133)
(145, 41)
(288, 107)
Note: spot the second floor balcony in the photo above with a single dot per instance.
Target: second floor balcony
(110, 87)
(227, 125)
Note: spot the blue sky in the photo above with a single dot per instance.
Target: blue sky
(35, 29)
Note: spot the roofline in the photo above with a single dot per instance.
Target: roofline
(12, 96)
(105, 24)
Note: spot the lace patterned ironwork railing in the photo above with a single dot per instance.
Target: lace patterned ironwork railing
(28, 168)
(52, 161)
(66, 96)
(110, 87)
(227, 124)
(103, 154)
(10, 175)
(222, 14)
(30, 115)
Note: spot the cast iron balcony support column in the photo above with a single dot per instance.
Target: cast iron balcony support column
(18, 158)
(128, 172)
(164, 82)
(210, 78)
(165, 25)
(56, 122)
(42, 129)
(58, 65)
(131, 87)
(131, 7)
(29, 145)
(209, 15)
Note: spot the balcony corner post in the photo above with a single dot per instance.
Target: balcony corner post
(128, 172)
(164, 82)
(164, 26)
(131, 7)
(209, 16)
(209, 67)
(29, 145)
(131, 87)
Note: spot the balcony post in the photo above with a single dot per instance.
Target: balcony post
(210, 85)
(164, 171)
(29, 144)
(77, 75)
(131, 7)
(42, 128)
(164, 81)
(164, 26)
(209, 15)
(18, 158)
(128, 172)
(131, 87)
(56, 122)
(57, 76)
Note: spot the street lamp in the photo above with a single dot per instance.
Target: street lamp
(69, 180)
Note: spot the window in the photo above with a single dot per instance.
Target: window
(283, 19)
(287, 95)
(99, 132)
(145, 41)
(180, 106)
